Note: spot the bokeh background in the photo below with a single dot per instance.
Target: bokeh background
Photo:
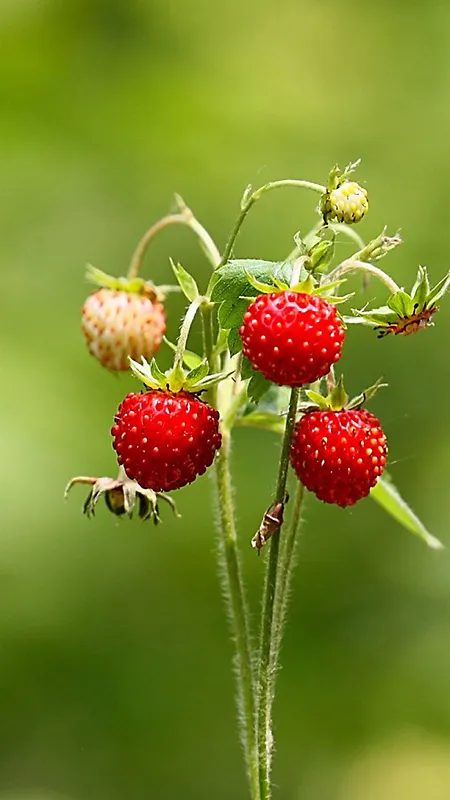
(114, 658)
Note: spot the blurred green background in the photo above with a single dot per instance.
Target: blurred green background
(114, 658)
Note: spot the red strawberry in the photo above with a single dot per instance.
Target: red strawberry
(339, 455)
(165, 439)
(291, 337)
(117, 324)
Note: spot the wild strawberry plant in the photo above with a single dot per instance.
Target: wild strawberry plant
(273, 333)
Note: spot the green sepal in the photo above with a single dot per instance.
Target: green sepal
(439, 290)
(317, 399)
(186, 281)
(421, 288)
(262, 288)
(401, 304)
(382, 316)
(148, 373)
(191, 359)
(321, 255)
(301, 245)
(306, 285)
(389, 498)
(176, 379)
(338, 397)
(205, 383)
(360, 399)
(199, 372)
(133, 286)
(336, 177)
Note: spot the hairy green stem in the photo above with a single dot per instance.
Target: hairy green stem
(185, 329)
(284, 577)
(185, 217)
(250, 198)
(354, 265)
(265, 684)
(230, 570)
(239, 616)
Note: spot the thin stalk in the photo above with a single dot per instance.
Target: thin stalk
(230, 570)
(354, 265)
(239, 616)
(265, 700)
(250, 198)
(284, 577)
(185, 217)
(184, 332)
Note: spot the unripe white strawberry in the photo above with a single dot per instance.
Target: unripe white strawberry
(347, 203)
(117, 324)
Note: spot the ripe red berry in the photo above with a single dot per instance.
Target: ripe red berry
(164, 440)
(339, 455)
(118, 324)
(293, 338)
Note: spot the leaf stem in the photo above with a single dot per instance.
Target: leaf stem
(354, 265)
(250, 198)
(184, 217)
(268, 631)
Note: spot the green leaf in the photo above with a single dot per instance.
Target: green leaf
(439, 290)
(231, 313)
(234, 341)
(191, 359)
(246, 369)
(258, 386)
(386, 494)
(187, 283)
(263, 419)
(401, 304)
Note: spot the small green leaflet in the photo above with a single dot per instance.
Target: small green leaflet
(187, 283)
(389, 498)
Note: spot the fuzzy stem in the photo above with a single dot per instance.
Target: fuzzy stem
(250, 199)
(268, 632)
(185, 329)
(230, 570)
(185, 217)
(239, 616)
(284, 577)
(353, 265)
